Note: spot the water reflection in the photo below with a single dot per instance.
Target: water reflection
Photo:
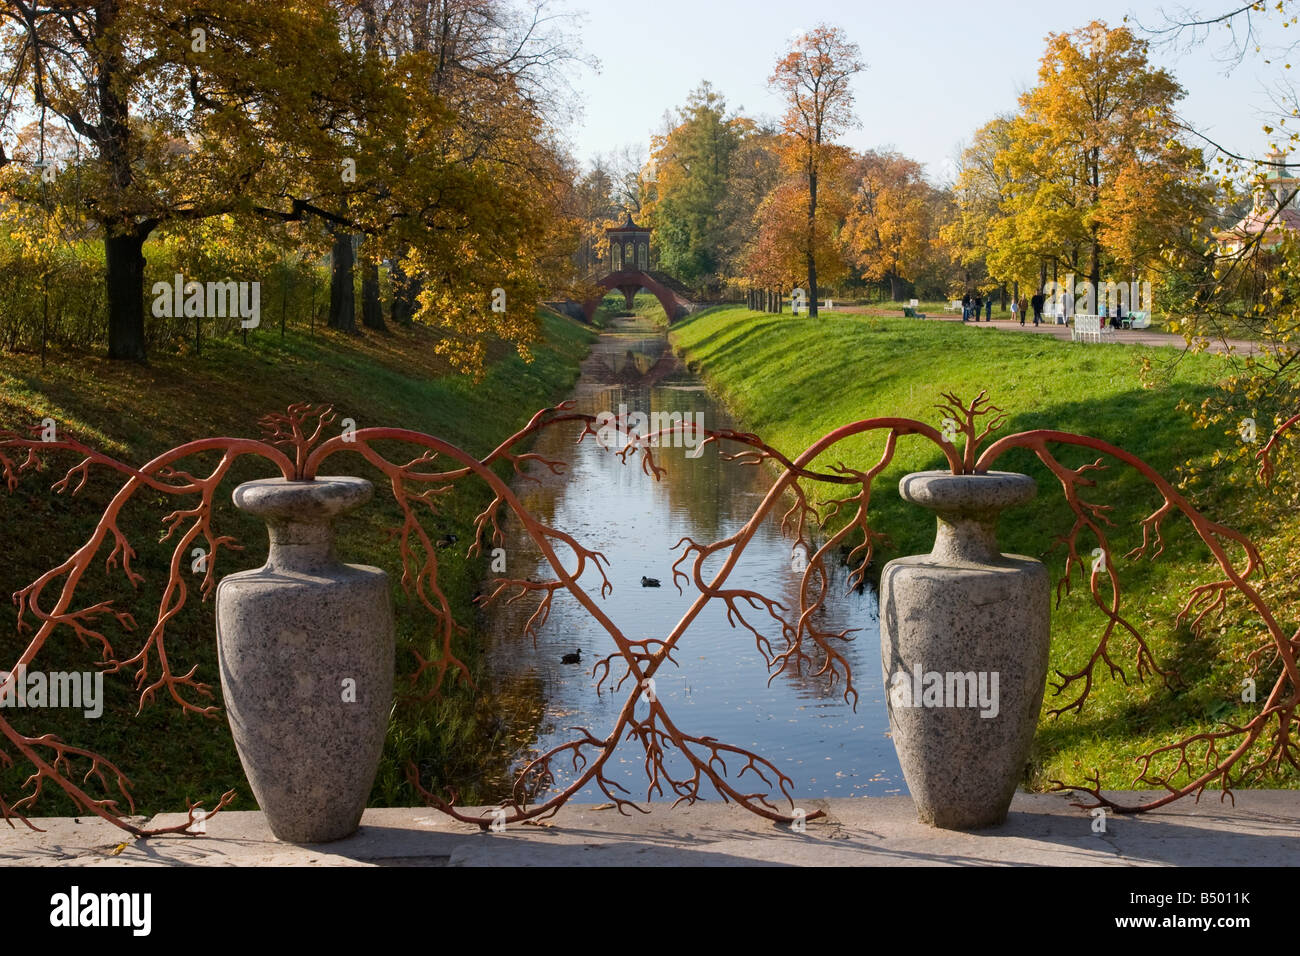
(720, 687)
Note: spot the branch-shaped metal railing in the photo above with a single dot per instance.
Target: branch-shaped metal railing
(788, 639)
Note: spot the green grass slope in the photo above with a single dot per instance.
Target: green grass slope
(135, 412)
(792, 380)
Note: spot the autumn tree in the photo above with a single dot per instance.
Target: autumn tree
(426, 127)
(773, 257)
(499, 71)
(1250, 285)
(888, 233)
(179, 106)
(712, 171)
(814, 79)
(977, 202)
(755, 171)
(593, 205)
(458, 128)
(778, 255)
(1094, 173)
(481, 213)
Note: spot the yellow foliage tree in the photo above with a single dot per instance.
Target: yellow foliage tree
(1091, 172)
(888, 233)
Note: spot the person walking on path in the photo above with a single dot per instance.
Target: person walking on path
(965, 307)
(1015, 310)
(979, 305)
(988, 309)
(1037, 303)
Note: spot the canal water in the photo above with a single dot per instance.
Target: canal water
(720, 689)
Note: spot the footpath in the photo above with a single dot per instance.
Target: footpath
(1147, 337)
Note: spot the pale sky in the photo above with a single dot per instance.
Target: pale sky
(937, 70)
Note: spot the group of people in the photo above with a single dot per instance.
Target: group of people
(973, 303)
(1036, 303)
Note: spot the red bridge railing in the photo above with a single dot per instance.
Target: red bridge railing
(295, 443)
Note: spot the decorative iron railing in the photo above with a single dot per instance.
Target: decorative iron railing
(788, 638)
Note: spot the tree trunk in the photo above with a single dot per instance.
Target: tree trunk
(123, 252)
(1094, 268)
(405, 290)
(895, 288)
(812, 234)
(1094, 272)
(372, 309)
(124, 273)
(343, 307)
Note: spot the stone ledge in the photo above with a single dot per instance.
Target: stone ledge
(1263, 829)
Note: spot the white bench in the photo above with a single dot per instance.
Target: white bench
(1092, 328)
(1137, 320)
(953, 305)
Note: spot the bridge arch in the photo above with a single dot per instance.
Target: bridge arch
(629, 282)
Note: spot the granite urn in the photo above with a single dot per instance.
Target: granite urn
(964, 635)
(306, 650)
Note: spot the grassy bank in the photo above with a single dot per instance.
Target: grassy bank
(792, 380)
(135, 412)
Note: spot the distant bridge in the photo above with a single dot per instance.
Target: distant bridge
(672, 295)
(629, 273)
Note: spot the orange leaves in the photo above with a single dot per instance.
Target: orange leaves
(813, 77)
(888, 228)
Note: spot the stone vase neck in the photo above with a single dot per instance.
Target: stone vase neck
(299, 517)
(967, 508)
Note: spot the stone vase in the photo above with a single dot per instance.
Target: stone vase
(305, 647)
(964, 635)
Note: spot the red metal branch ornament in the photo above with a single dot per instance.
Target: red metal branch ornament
(1203, 600)
(1265, 455)
(788, 639)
